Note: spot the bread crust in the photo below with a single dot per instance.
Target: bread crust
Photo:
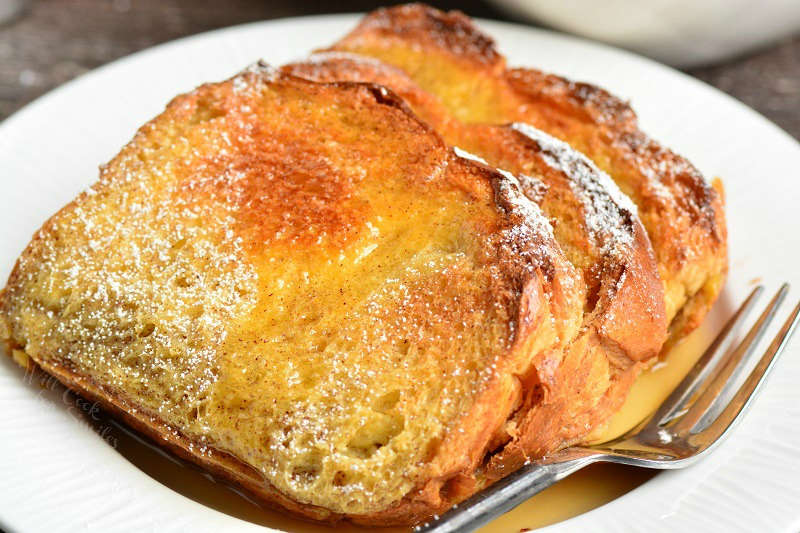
(534, 283)
(682, 212)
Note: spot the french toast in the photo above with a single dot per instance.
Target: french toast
(447, 56)
(316, 283)
(624, 323)
(302, 288)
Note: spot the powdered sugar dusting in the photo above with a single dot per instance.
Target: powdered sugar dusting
(510, 190)
(323, 58)
(606, 208)
(260, 68)
(535, 224)
(468, 155)
(531, 235)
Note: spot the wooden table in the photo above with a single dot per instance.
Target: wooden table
(52, 41)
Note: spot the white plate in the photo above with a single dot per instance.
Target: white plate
(56, 474)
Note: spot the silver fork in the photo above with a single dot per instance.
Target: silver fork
(695, 417)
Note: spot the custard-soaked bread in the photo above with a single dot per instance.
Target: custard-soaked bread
(624, 323)
(450, 58)
(300, 287)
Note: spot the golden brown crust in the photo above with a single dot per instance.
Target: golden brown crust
(682, 213)
(529, 281)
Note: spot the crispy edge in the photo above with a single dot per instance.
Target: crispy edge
(702, 232)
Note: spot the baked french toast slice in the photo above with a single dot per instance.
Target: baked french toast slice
(447, 56)
(624, 323)
(300, 287)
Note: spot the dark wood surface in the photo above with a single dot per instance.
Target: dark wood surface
(52, 41)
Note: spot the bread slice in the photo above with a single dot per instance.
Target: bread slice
(624, 323)
(446, 55)
(300, 287)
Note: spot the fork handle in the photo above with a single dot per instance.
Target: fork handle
(504, 495)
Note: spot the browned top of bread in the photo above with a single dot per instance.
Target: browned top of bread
(301, 287)
(446, 55)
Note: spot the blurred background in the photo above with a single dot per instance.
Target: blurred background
(748, 49)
